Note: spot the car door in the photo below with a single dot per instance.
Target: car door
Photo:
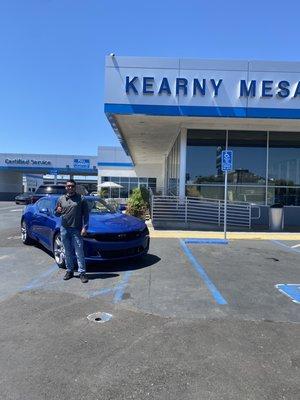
(49, 223)
(42, 220)
(36, 219)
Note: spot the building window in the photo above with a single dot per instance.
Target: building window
(204, 177)
(127, 183)
(284, 168)
(249, 157)
(266, 166)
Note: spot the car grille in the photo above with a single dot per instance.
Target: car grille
(121, 253)
(118, 237)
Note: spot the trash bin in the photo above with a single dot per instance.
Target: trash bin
(276, 217)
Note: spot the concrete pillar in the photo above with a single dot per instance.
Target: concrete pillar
(11, 184)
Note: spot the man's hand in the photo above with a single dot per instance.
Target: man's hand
(59, 209)
(83, 232)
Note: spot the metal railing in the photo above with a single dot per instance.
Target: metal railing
(201, 210)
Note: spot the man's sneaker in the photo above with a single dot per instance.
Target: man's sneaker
(83, 278)
(68, 275)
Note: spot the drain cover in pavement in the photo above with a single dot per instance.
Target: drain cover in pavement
(99, 317)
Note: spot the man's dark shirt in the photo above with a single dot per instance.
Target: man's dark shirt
(75, 211)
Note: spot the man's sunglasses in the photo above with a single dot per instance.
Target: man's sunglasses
(70, 185)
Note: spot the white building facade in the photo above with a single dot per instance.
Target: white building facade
(175, 116)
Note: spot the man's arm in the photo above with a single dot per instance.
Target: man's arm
(85, 216)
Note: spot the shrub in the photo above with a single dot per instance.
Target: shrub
(138, 202)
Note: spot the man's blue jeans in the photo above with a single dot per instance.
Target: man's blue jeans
(73, 242)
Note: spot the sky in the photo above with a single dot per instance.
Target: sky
(52, 57)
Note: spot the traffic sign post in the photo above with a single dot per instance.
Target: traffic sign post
(226, 164)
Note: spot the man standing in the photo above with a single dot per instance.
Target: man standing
(74, 213)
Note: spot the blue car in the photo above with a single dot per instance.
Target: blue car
(111, 234)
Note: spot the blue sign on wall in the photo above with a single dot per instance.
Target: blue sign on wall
(81, 163)
(227, 160)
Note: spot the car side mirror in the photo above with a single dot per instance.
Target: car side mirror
(45, 211)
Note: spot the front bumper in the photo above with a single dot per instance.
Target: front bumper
(108, 251)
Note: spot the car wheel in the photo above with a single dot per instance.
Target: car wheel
(59, 251)
(26, 239)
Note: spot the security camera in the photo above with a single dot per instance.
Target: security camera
(112, 54)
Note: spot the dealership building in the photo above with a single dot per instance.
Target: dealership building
(173, 117)
(25, 172)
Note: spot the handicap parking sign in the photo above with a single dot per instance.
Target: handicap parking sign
(227, 160)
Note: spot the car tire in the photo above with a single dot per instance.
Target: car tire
(58, 251)
(26, 239)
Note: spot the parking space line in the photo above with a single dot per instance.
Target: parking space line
(119, 290)
(201, 271)
(206, 241)
(9, 208)
(101, 292)
(38, 282)
(286, 246)
(296, 245)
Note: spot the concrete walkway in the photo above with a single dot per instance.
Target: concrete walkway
(177, 234)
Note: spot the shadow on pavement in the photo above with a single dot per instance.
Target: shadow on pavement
(101, 276)
(125, 265)
(129, 264)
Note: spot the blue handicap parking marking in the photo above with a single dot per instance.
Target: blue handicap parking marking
(118, 290)
(291, 290)
(40, 280)
(200, 269)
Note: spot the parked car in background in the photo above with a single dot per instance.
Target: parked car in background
(23, 198)
(44, 190)
(111, 235)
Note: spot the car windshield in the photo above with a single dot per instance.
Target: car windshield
(51, 190)
(99, 206)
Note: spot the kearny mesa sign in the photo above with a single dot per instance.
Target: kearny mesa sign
(204, 88)
(148, 85)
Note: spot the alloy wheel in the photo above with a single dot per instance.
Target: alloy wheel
(59, 251)
(24, 231)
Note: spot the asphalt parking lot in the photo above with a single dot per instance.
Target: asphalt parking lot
(189, 321)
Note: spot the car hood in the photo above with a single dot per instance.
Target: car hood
(113, 223)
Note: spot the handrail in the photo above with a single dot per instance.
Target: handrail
(201, 210)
